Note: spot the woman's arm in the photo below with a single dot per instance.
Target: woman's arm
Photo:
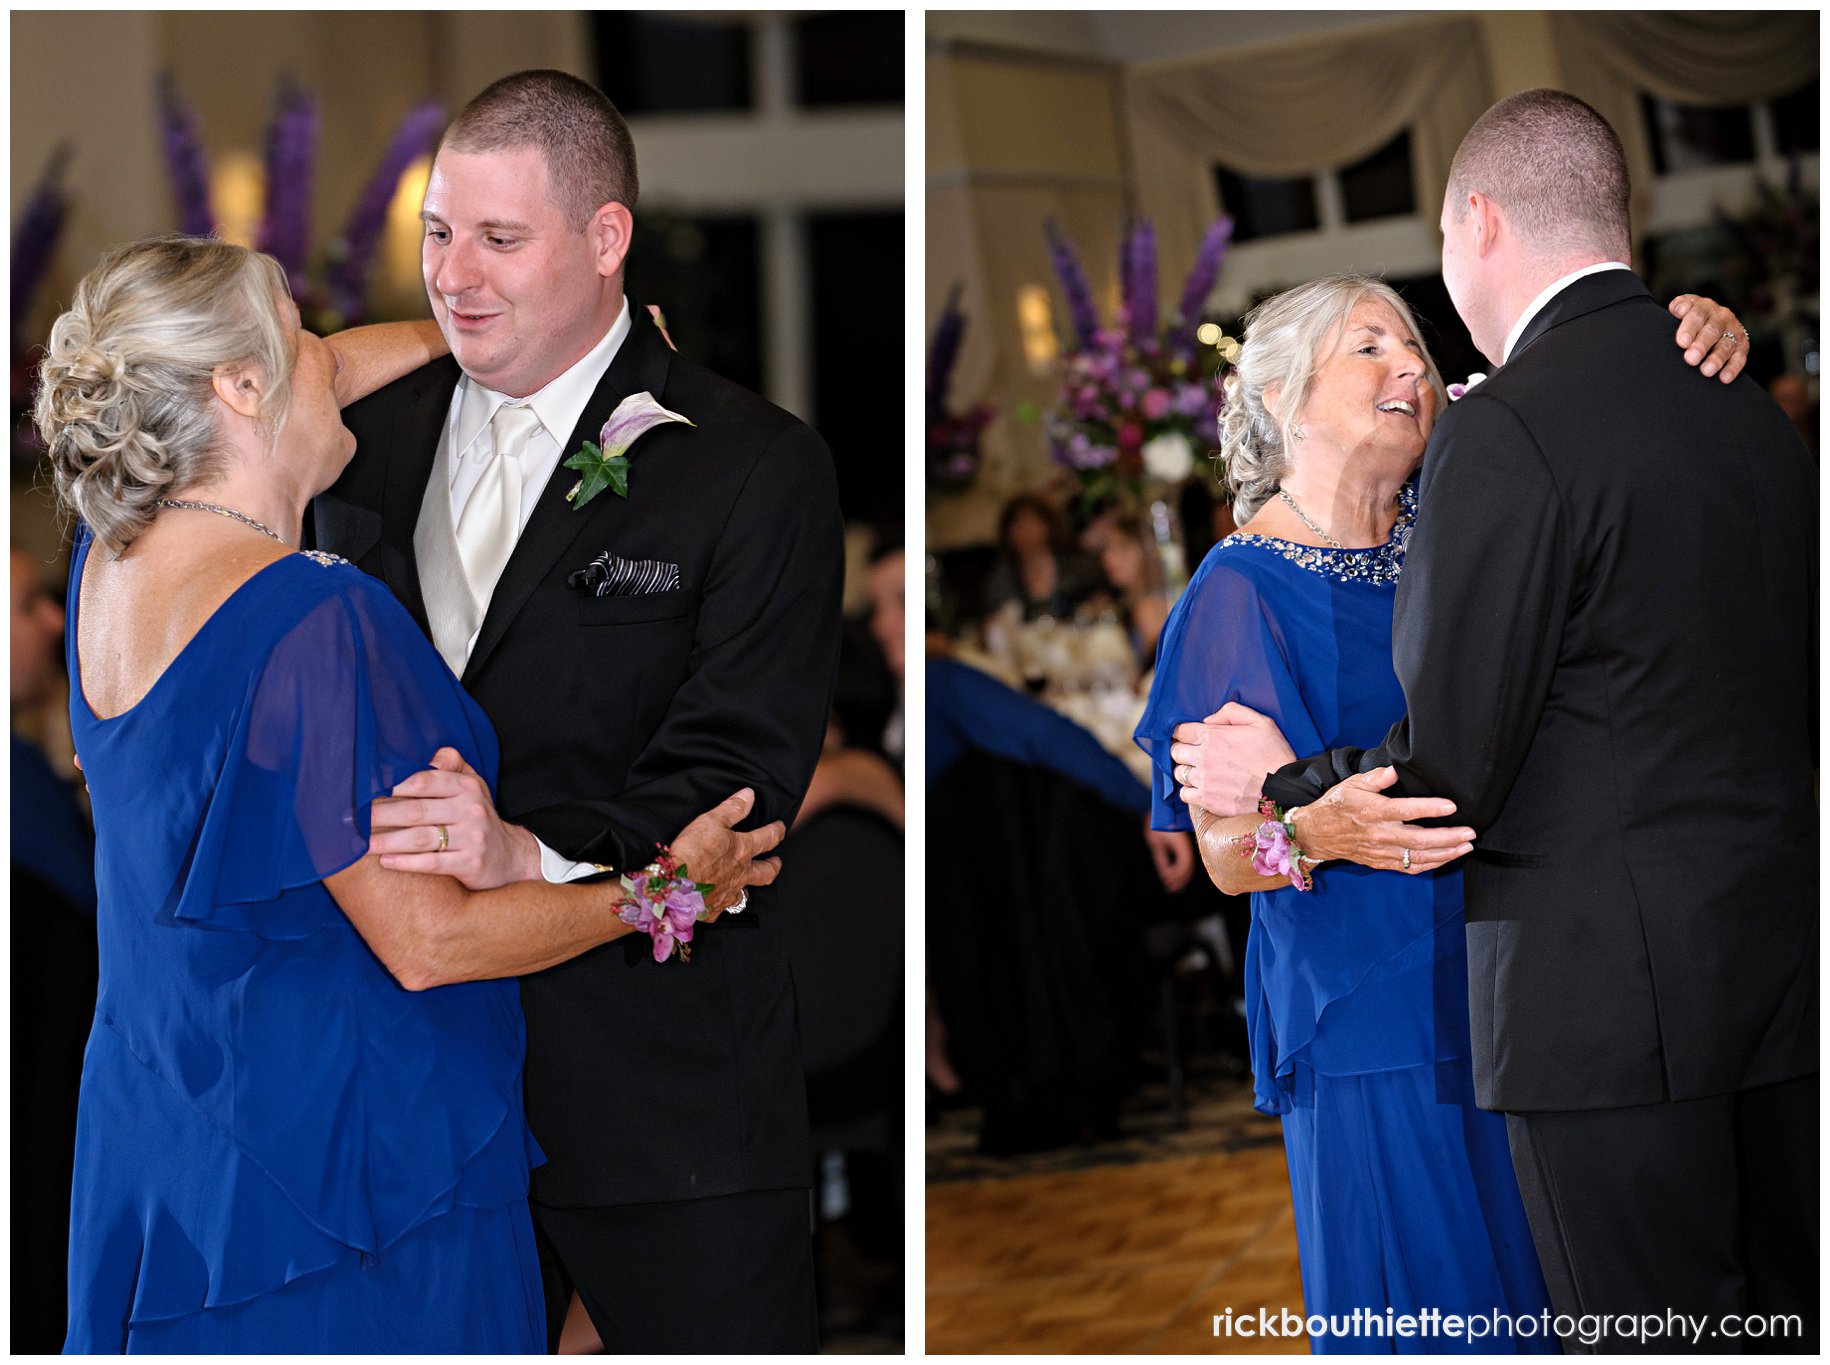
(430, 930)
(853, 777)
(1147, 617)
(1217, 837)
(381, 353)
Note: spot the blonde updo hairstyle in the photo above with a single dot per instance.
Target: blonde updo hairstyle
(125, 401)
(1284, 336)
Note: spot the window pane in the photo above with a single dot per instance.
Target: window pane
(848, 58)
(1380, 186)
(1795, 121)
(1687, 138)
(660, 64)
(704, 273)
(857, 261)
(1266, 208)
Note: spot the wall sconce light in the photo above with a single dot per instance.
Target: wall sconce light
(1036, 319)
(238, 196)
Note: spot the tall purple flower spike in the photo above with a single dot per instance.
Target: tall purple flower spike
(292, 144)
(35, 239)
(185, 160)
(1140, 282)
(1079, 294)
(1201, 282)
(943, 351)
(352, 255)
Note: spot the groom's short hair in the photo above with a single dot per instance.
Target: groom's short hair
(1556, 170)
(590, 157)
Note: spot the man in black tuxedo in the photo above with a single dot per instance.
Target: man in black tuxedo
(1605, 631)
(695, 659)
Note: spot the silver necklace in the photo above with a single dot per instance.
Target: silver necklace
(230, 512)
(1310, 524)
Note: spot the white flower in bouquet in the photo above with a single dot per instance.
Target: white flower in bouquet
(1169, 457)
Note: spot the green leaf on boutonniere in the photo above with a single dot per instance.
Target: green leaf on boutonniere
(597, 471)
(605, 466)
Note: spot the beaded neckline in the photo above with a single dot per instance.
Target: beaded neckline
(1373, 564)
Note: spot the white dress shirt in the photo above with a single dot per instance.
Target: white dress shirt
(471, 448)
(1536, 306)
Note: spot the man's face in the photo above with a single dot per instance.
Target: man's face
(887, 609)
(519, 295)
(1462, 276)
(38, 633)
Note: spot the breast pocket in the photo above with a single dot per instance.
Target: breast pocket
(671, 605)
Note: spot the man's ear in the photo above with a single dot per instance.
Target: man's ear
(1488, 222)
(610, 231)
(240, 387)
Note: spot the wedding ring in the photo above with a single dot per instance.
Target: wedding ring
(1730, 338)
(1407, 860)
(737, 906)
(444, 839)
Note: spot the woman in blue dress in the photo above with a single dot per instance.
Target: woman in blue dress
(300, 1126)
(1356, 989)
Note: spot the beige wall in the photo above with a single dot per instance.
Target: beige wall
(1024, 122)
(1015, 139)
(365, 69)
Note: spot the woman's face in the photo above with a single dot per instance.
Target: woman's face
(1370, 397)
(1028, 533)
(1122, 559)
(314, 423)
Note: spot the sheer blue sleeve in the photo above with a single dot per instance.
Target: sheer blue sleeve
(969, 710)
(1220, 644)
(350, 701)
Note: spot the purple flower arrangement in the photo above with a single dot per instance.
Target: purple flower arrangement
(352, 255)
(1128, 386)
(35, 238)
(34, 244)
(185, 161)
(292, 146)
(285, 230)
(953, 439)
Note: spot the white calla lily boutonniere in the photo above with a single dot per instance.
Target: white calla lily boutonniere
(1461, 390)
(604, 463)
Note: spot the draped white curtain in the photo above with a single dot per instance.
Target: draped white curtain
(1294, 111)
(1689, 58)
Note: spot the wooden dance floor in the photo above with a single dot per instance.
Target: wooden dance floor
(1117, 1259)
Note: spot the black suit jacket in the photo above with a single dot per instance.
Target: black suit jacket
(1605, 632)
(622, 718)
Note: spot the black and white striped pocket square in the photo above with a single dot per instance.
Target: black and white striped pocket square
(613, 576)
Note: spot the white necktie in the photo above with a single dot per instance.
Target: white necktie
(491, 520)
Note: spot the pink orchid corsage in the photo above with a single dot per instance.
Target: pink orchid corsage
(665, 904)
(1462, 389)
(1273, 849)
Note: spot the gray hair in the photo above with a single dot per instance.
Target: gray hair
(1284, 338)
(125, 401)
(1555, 168)
(589, 154)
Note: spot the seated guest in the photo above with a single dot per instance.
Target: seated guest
(1136, 582)
(1036, 567)
(53, 898)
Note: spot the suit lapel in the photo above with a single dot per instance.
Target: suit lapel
(1600, 290)
(409, 465)
(640, 365)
